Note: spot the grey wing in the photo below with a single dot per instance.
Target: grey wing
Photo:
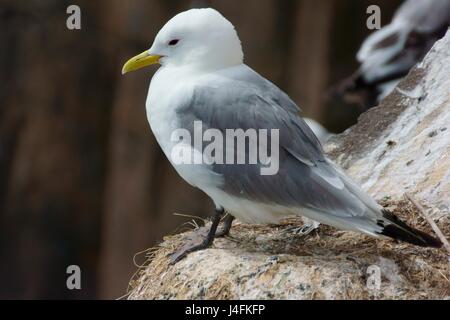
(305, 179)
(392, 51)
(427, 16)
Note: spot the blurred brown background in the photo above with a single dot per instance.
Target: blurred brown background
(82, 180)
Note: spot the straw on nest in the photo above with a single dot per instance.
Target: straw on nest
(270, 262)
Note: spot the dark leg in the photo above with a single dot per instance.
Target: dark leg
(205, 243)
(227, 222)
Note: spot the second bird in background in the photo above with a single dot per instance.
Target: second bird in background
(388, 54)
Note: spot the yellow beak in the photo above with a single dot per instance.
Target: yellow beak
(140, 61)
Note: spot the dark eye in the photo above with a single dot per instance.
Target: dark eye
(173, 42)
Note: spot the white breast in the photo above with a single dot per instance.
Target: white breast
(169, 89)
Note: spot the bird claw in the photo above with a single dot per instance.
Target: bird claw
(301, 231)
(194, 242)
(226, 227)
(202, 238)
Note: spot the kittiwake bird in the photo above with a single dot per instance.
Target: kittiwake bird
(387, 55)
(203, 80)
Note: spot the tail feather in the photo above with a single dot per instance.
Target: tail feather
(397, 229)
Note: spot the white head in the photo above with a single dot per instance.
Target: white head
(201, 38)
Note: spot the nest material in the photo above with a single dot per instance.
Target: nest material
(271, 262)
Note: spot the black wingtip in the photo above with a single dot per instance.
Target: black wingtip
(401, 231)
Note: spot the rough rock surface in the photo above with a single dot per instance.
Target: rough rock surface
(404, 144)
(401, 146)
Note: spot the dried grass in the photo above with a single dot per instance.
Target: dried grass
(426, 270)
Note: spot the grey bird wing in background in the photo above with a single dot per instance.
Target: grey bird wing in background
(306, 179)
(388, 54)
(426, 16)
(394, 49)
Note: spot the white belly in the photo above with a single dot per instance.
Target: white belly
(249, 211)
